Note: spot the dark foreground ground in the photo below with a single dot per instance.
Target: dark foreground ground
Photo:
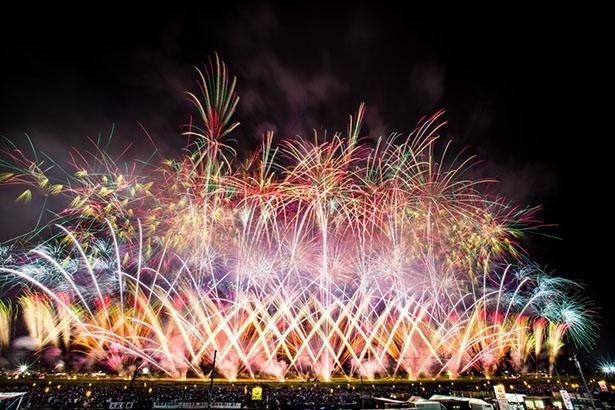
(60, 392)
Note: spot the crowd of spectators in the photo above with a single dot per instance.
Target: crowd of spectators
(75, 394)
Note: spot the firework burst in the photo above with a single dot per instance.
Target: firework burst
(328, 256)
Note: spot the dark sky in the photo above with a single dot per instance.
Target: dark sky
(524, 89)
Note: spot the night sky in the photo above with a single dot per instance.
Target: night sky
(523, 89)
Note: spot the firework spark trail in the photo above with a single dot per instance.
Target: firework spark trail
(273, 329)
(326, 256)
(6, 319)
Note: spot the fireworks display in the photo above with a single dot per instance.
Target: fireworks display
(327, 256)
